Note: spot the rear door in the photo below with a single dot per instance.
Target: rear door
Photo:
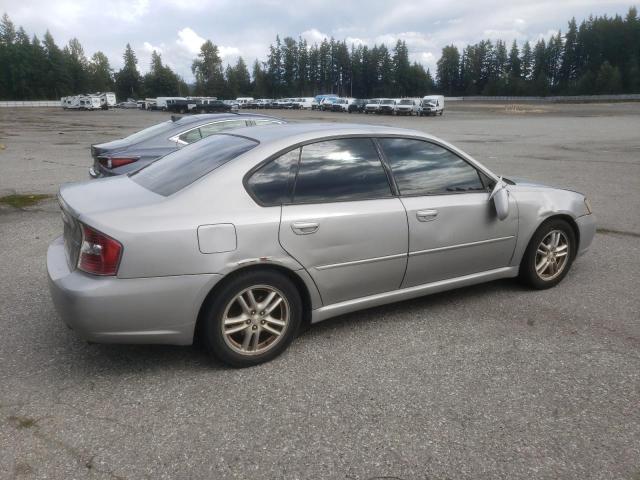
(343, 224)
(453, 227)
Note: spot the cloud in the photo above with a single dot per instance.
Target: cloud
(190, 40)
(314, 36)
(228, 51)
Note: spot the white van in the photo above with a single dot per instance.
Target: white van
(243, 101)
(431, 105)
(407, 106)
(303, 103)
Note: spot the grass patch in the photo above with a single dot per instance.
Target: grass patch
(23, 422)
(21, 201)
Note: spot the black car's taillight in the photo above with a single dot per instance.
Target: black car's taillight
(115, 162)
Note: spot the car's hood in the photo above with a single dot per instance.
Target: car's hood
(526, 183)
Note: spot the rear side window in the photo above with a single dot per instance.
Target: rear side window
(423, 168)
(207, 130)
(191, 136)
(176, 170)
(339, 170)
(272, 184)
(266, 121)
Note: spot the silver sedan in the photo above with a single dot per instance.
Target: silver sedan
(240, 238)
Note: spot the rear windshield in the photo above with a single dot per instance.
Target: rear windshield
(150, 132)
(176, 170)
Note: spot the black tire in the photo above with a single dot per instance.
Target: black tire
(528, 274)
(212, 335)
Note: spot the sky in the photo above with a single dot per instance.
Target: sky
(177, 28)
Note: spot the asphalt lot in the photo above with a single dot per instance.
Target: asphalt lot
(492, 381)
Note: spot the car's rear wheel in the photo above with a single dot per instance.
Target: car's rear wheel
(549, 255)
(252, 318)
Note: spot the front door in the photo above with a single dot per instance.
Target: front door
(344, 225)
(453, 228)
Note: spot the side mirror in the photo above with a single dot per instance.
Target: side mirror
(500, 197)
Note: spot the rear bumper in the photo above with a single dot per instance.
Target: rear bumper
(587, 227)
(116, 310)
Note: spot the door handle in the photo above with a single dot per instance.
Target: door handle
(304, 228)
(426, 215)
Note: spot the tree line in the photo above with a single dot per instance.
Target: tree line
(601, 55)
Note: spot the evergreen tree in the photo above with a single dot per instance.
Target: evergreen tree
(207, 69)
(128, 80)
(449, 70)
(100, 73)
(161, 80)
(402, 69)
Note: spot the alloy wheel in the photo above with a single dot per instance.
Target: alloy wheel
(552, 255)
(255, 320)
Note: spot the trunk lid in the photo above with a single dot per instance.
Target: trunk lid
(80, 202)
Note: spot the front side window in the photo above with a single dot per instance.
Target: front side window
(423, 168)
(176, 170)
(272, 184)
(339, 170)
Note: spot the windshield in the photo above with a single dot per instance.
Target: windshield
(181, 168)
(374, 102)
(150, 132)
(386, 101)
(406, 102)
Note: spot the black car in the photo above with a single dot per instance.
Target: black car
(357, 106)
(181, 105)
(212, 106)
(140, 149)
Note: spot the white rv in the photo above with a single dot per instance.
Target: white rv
(107, 100)
(431, 105)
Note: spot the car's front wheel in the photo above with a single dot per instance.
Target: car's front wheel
(549, 255)
(252, 318)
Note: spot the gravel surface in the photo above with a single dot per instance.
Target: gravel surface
(491, 381)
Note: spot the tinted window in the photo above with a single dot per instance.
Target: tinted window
(422, 168)
(336, 170)
(273, 183)
(175, 171)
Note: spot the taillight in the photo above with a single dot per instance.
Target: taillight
(99, 254)
(115, 162)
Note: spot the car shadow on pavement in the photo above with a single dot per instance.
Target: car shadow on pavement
(407, 308)
(125, 359)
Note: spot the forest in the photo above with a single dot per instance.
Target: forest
(601, 55)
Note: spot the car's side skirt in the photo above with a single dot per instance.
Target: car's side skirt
(348, 306)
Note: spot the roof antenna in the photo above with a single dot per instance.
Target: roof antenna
(175, 118)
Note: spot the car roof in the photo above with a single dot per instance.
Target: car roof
(207, 117)
(300, 132)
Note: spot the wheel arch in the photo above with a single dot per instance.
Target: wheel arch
(296, 279)
(558, 216)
